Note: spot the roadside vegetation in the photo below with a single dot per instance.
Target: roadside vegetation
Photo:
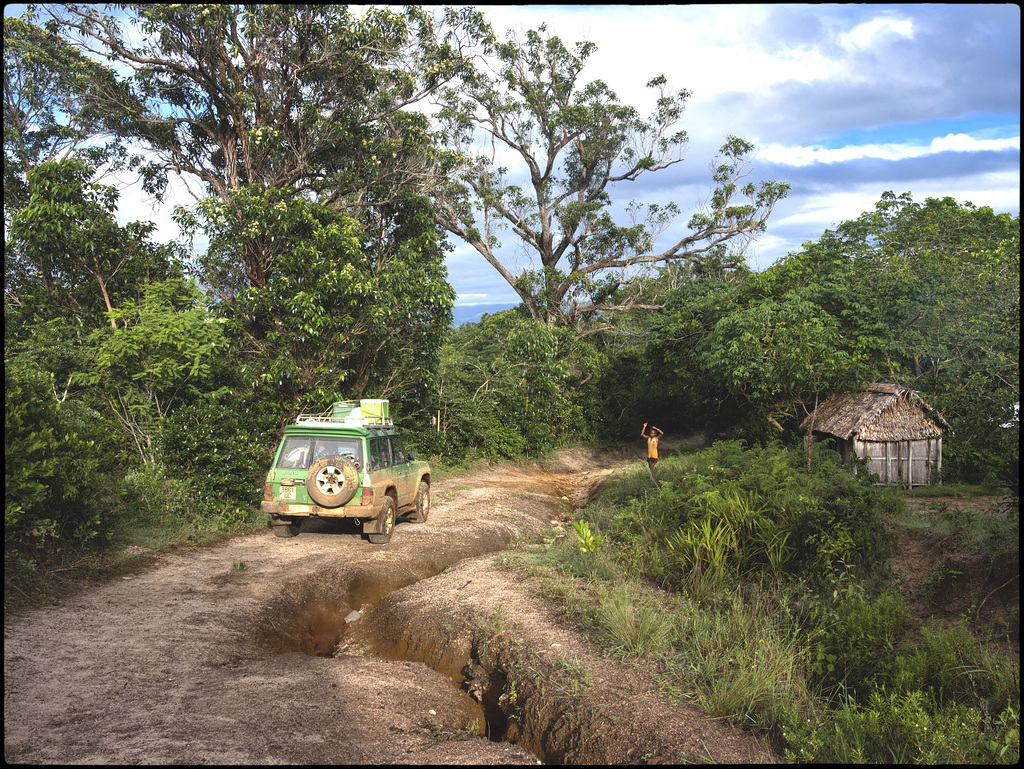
(146, 383)
(762, 592)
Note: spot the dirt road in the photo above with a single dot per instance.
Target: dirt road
(242, 654)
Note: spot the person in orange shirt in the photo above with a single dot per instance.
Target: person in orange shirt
(652, 443)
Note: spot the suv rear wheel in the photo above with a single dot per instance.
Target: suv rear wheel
(285, 527)
(387, 523)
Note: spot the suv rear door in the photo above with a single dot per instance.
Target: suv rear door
(405, 473)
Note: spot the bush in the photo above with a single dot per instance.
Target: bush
(825, 524)
(156, 510)
(53, 481)
(224, 448)
(856, 649)
(953, 666)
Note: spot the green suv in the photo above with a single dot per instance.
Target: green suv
(346, 463)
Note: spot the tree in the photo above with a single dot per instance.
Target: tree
(338, 313)
(50, 107)
(781, 355)
(576, 142)
(304, 98)
(928, 295)
(67, 252)
(509, 386)
(159, 358)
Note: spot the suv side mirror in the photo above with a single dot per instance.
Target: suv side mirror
(412, 457)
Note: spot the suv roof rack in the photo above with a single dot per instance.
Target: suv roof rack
(350, 414)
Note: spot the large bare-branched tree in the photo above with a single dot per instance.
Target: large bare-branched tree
(574, 143)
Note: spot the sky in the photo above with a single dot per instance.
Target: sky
(843, 102)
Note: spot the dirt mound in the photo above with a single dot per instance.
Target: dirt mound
(947, 574)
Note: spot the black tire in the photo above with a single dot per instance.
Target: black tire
(332, 480)
(386, 523)
(422, 503)
(285, 527)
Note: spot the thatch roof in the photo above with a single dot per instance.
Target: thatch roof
(883, 412)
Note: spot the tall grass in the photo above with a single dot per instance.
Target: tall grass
(739, 660)
(630, 623)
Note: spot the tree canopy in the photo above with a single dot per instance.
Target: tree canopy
(306, 98)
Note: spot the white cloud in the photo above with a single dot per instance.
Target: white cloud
(803, 156)
(877, 31)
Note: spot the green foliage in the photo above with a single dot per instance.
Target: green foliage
(906, 727)
(156, 511)
(291, 126)
(777, 622)
(739, 660)
(67, 254)
(951, 665)
(855, 651)
(728, 511)
(159, 354)
(924, 294)
(629, 624)
(930, 293)
(508, 387)
(335, 317)
(589, 541)
(49, 106)
(221, 445)
(702, 552)
(779, 355)
(53, 481)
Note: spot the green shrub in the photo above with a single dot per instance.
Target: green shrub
(157, 510)
(503, 442)
(825, 523)
(224, 448)
(53, 481)
(907, 728)
(954, 666)
(856, 648)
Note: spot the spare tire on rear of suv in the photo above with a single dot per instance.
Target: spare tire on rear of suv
(332, 480)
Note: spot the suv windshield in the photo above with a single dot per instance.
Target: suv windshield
(300, 451)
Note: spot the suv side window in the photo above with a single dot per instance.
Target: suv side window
(381, 452)
(399, 450)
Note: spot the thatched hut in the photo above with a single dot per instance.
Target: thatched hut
(891, 426)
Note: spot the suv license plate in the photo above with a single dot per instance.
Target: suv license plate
(287, 492)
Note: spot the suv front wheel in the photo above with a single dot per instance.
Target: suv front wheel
(386, 523)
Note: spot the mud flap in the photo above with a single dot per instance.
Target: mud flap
(374, 525)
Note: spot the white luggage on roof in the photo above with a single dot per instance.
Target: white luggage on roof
(362, 413)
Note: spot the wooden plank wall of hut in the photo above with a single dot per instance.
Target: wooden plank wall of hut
(902, 462)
